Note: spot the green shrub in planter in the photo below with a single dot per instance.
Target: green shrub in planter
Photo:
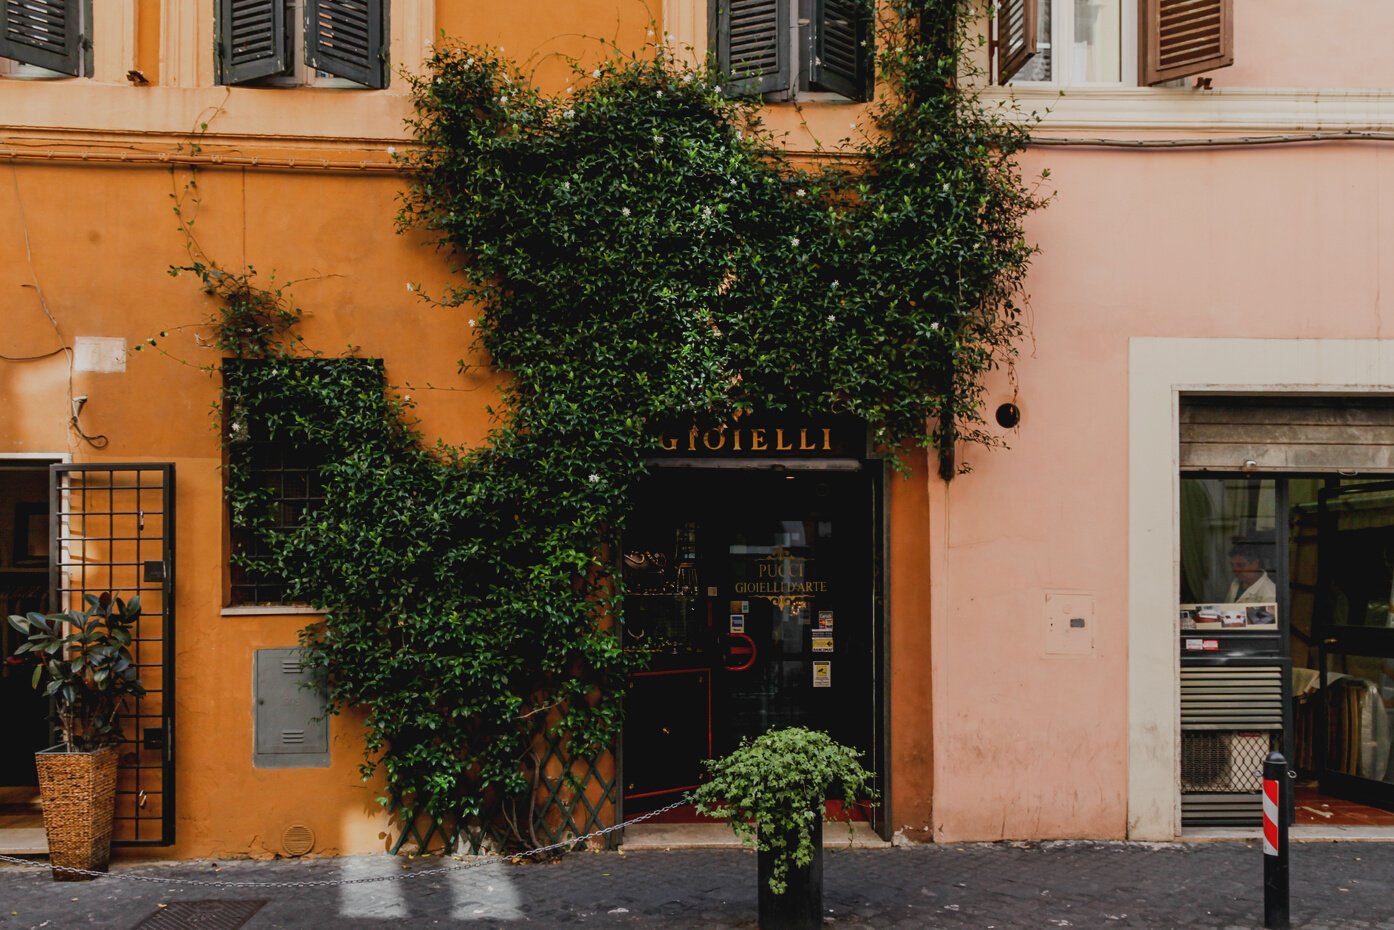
(82, 659)
(771, 790)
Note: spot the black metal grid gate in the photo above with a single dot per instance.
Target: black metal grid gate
(111, 529)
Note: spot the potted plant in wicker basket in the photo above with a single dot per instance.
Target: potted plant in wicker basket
(772, 791)
(83, 661)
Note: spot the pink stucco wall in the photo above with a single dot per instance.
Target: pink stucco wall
(1279, 242)
(1311, 43)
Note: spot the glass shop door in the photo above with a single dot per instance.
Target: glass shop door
(751, 594)
(1354, 629)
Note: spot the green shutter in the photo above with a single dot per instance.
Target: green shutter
(348, 39)
(46, 33)
(252, 40)
(841, 60)
(752, 44)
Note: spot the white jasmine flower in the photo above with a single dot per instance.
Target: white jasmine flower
(471, 324)
(667, 37)
(835, 285)
(687, 78)
(660, 93)
(566, 185)
(717, 88)
(392, 150)
(934, 326)
(832, 318)
(624, 211)
(594, 478)
(794, 241)
(706, 213)
(468, 62)
(657, 140)
(503, 99)
(800, 193)
(411, 288)
(595, 73)
(568, 114)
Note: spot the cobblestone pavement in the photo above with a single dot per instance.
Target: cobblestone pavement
(983, 886)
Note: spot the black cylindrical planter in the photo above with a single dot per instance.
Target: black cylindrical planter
(801, 905)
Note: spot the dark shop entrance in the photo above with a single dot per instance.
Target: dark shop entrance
(755, 595)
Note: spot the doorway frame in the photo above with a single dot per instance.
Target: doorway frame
(877, 471)
(38, 461)
(1160, 370)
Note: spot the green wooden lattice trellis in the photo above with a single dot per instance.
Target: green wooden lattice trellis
(571, 801)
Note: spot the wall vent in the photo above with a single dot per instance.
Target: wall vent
(298, 839)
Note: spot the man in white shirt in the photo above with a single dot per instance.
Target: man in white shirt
(1251, 584)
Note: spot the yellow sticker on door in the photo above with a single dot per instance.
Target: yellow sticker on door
(822, 674)
(822, 644)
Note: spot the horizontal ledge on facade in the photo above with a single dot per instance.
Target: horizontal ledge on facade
(212, 160)
(1165, 108)
(252, 112)
(273, 610)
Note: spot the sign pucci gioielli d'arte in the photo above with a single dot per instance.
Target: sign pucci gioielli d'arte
(779, 435)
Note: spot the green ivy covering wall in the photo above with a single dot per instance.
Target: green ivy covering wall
(633, 250)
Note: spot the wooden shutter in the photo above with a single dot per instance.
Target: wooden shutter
(252, 40)
(752, 44)
(842, 48)
(46, 33)
(348, 39)
(1179, 38)
(1017, 37)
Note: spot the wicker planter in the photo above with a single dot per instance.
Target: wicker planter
(78, 790)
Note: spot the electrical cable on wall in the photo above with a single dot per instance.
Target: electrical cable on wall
(1351, 135)
(99, 441)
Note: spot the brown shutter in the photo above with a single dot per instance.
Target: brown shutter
(1016, 37)
(1179, 38)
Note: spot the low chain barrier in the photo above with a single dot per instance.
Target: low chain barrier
(334, 882)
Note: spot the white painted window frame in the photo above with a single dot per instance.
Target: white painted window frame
(1062, 23)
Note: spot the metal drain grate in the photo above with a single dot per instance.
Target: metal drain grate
(201, 915)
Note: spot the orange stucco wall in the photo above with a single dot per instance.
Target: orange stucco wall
(101, 241)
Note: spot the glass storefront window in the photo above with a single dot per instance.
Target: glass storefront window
(1229, 540)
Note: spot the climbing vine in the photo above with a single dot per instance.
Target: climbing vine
(635, 249)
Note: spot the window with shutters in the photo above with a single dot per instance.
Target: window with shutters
(783, 49)
(44, 38)
(297, 42)
(277, 475)
(1110, 42)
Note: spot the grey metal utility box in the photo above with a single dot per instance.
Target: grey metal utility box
(291, 722)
